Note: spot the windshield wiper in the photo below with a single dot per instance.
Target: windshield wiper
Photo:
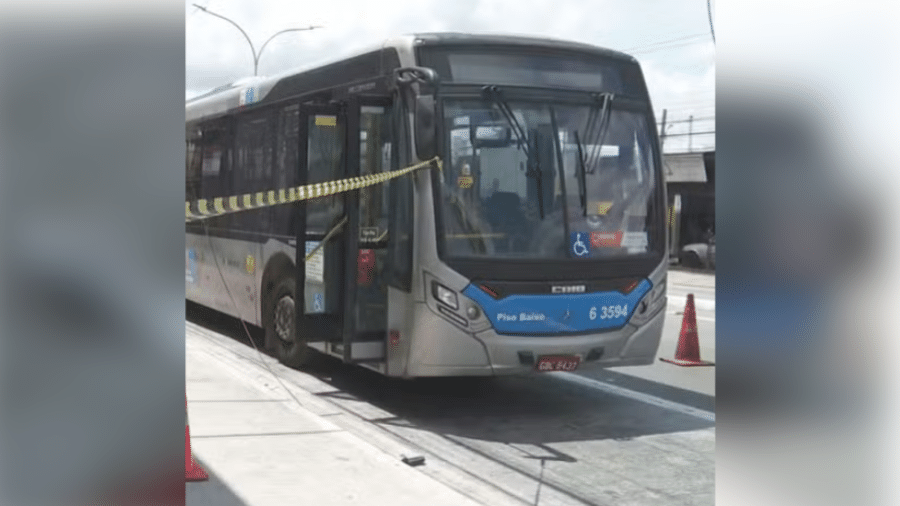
(493, 93)
(582, 176)
(600, 134)
(562, 176)
(535, 171)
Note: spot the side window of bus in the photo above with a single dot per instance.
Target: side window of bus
(286, 165)
(325, 162)
(193, 165)
(375, 157)
(215, 161)
(254, 157)
(400, 240)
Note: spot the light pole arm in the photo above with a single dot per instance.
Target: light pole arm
(252, 49)
(261, 49)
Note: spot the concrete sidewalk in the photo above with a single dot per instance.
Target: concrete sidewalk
(266, 450)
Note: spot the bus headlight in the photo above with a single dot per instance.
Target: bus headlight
(650, 305)
(472, 312)
(444, 294)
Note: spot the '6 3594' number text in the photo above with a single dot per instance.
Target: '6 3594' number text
(608, 312)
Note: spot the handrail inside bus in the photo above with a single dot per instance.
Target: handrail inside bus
(331, 233)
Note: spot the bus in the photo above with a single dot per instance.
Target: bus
(538, 243)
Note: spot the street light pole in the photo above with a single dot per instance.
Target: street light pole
(261, 49)
(252, 48)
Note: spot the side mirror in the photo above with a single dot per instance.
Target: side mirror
(426, 128)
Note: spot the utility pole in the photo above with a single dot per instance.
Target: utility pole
(690, 134)
(662, 133)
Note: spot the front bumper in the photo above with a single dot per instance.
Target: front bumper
(443, 350)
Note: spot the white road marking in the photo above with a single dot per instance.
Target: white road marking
(638, 396)
(694, 286)
(702, 304)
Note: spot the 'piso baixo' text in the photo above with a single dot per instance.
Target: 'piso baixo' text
(521, 317)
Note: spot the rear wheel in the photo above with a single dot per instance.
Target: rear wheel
(289, 343)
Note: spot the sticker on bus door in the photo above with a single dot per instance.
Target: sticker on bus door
(318, 303)
(315, 270)
(365, 266)
(369, 234)
(326, 121)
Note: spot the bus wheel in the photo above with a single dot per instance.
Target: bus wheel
(289, 343)
(691, 260)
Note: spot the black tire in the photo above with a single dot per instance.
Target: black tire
(289, 344)
(691, 260)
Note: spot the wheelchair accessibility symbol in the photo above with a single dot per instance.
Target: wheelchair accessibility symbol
(579, 244)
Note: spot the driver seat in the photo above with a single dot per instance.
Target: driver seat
(504, 214)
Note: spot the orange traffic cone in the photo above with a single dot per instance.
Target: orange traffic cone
(192, 472)
(688, 351)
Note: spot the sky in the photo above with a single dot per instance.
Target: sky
(670, 38)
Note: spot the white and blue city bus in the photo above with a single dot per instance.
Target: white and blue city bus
(538, 243)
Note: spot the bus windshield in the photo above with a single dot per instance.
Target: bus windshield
(547, 181)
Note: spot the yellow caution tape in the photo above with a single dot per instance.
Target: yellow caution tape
(199, 210)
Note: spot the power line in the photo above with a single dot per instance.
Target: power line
(708, 111)
(663, 48)
(711, 30)
(691, 101)
(676, 111)
(711, 132)
(688, 113)
(695, 119)
(663, 42)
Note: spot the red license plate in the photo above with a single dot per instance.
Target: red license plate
(546, 364)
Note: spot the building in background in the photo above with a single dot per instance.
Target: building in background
(690, 184)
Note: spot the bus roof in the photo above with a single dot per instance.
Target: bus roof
(230, 97)
(487, 39)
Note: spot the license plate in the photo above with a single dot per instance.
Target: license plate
(545, 364)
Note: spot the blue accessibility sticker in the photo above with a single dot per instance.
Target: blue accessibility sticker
(580, 244)
(317, 304)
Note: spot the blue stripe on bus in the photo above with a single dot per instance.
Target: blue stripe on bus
(558, 314)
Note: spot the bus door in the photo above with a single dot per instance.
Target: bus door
(321, 279)
(370, 151)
